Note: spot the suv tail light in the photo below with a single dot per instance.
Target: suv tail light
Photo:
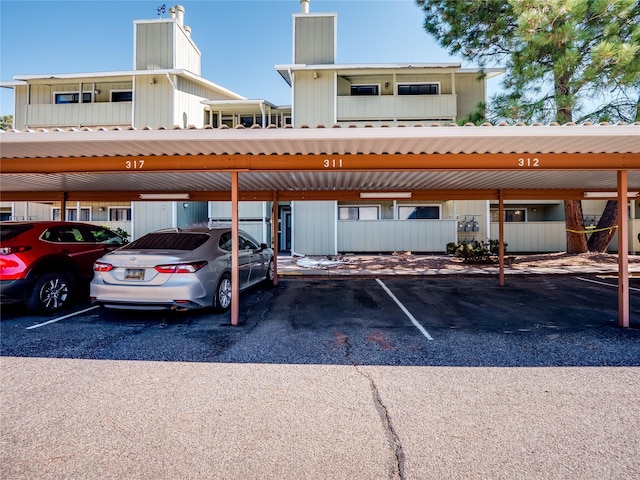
(181, 267)
(102, 267)
(15, 249)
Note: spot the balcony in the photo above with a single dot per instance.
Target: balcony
(392, 107)
(79, 114)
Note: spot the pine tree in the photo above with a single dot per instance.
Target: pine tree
(566, 61)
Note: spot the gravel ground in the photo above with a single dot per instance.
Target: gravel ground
(407, 261)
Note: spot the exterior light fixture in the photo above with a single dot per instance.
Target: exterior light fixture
(608, 194)
(385, 194)
(164, 196)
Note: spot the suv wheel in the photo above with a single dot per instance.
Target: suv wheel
(51, 292)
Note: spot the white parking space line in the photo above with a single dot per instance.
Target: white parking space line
(63, 317)
(605, 283)
(404, 309)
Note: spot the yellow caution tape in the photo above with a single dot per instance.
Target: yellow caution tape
(612, 227)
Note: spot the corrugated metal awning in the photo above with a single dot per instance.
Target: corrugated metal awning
(321, 159)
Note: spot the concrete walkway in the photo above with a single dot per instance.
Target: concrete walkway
(92, 419)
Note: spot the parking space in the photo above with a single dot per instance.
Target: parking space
(453, 321)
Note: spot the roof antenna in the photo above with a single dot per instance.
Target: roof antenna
(161, 9)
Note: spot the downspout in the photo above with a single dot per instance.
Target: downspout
(293, 109)
(455, 95)
(173, 85)
(133, 105)
(173, 96)
(262, 111)
(80, 102)
(26, 113)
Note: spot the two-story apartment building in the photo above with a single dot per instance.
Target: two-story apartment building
(165, 89)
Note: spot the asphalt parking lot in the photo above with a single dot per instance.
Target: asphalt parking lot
(333, 378)
(462, 321)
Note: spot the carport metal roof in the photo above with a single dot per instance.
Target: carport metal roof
(525, 162)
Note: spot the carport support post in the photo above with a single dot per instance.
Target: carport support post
(623, 250)
(63, 208)
(274, 236)
(500, 240)
(235, 256)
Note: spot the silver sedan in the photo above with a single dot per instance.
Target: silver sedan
(179, 269)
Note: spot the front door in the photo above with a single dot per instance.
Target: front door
(284, 228)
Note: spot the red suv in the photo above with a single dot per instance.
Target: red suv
(45, 263)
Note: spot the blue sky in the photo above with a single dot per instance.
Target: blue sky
(240, 40)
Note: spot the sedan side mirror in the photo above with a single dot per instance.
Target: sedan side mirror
(263, 246)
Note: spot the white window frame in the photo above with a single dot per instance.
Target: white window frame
(64, 92)
(508, 209)
(118, 90)
(119, 208)
(417, 205)
(68, 209)
(378, 207)
(398, 84)
(378, 85)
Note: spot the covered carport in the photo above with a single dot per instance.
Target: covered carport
(269, 164)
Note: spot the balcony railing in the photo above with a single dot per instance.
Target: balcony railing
(79, 114)
(393, 107)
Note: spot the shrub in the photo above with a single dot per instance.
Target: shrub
(478, 252)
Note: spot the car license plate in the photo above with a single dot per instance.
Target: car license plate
(134, 273)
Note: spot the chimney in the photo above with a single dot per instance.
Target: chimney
(178, 11)
(304, 6)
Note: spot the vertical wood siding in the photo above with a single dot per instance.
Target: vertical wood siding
(195, 214)
(379, 236)
(470, 90)
(314, 41)
(153, 103)
(314, 227)
(150, 216)
(20, 110)
(187, 54)
(154, 46)
(532, 236)
(314, 99)
(222, 210)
